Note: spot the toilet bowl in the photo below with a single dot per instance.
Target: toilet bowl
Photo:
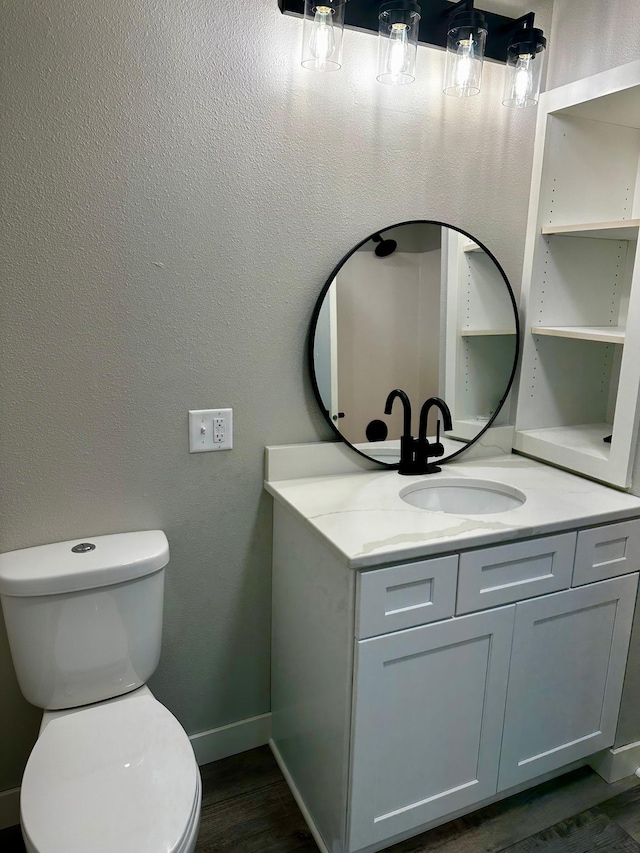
(112, 769)
(116, 776)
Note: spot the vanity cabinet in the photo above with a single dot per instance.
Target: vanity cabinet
(580, 375)
(394, 709)
(435, 728)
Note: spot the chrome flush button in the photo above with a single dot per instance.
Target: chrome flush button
(83, 548)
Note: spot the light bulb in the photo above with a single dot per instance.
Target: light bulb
(399, 53)
(399, 22)
(465, 53)
(463, 74)
(522, 81)
(322, 42)
(525, 57)
(322, 34)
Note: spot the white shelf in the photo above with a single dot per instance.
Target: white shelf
(471, 333)
(471, 247)
(466, 429)
(622, 229)
(604, 334)
(581, 438)
(475, 422)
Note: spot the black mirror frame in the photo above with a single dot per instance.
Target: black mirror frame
(314, 324)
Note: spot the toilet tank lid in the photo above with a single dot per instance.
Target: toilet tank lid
(75, 565)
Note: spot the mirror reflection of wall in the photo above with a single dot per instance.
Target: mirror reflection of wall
(388, 327)
(422, 307)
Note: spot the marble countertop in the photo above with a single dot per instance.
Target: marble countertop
(362, 518)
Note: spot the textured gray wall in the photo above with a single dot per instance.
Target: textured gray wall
(589, 36)
(175, 191)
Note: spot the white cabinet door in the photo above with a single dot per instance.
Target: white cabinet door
(428, 716)
(566, 675)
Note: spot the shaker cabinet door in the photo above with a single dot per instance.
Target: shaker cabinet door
(428, 716)
(567, 669)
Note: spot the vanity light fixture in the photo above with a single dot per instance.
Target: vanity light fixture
(525, 55)
(397, 42)
(467, 33)
(466, 40)
(322, 34)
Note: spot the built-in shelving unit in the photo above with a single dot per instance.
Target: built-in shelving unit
(580, 373)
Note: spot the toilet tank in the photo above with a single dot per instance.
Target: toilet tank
(84, 618)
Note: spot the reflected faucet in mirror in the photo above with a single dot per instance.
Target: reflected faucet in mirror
(415, 453)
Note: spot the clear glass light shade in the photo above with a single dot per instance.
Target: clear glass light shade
(522, 81)
(322, 35)
(397, 43)
(465, 55)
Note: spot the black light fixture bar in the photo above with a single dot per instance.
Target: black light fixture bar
(434, 24)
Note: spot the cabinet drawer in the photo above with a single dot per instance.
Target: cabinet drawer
(404, 596)
(507, 573)
(606, 552)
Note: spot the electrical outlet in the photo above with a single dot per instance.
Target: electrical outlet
(219, 430)
(210, 429)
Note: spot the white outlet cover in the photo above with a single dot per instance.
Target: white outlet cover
(202, 436)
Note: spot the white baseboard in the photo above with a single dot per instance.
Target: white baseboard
(616, 764)
(229, 740)
(9, 807)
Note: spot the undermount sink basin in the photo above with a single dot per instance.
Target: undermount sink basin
(463, 497)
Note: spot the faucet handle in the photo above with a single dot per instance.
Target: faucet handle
(437, 448)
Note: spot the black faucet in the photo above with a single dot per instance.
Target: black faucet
(424, 449)
(407, 442)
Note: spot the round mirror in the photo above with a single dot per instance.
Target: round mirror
(423, 307)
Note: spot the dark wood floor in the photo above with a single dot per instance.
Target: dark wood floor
(247, 808)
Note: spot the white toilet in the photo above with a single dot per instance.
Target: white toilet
(112, 769)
